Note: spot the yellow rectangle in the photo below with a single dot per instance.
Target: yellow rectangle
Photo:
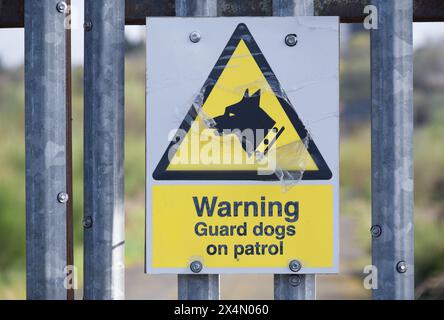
(180, 235)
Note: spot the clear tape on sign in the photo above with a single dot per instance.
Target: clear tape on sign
(291, 153)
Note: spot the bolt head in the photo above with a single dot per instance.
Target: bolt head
(294, 265)
(61, 6)
(259, 155)
(291, 39)
(295, 280)
(62, 197)
(196, 266)
(401, 267)
(195, 37)
(87, 26)
(376, 231)
(87, 222)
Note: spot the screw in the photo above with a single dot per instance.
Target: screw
(291, 39)
(87, 222)
(196, 266)
(401, 267)
(295, 280)
(259, 155)
(61, 6)
(375, 231)
(295, 265)
(87, 26)
(62, 197)
(195, 37)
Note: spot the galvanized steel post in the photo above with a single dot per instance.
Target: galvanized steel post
(287, 286)
(392, 150)
(197, 287)
(45, 121)
(293, 8)
(104, 218)
(196, 8)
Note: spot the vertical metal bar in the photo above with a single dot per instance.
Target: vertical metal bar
(285, 8)
(197, 287)
(104, 218)
(392, 150)
(45, 123)
(287, 286)
(197, 8)
(69, 191)
(294, 287)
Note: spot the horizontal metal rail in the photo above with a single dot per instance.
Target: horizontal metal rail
(11, 11)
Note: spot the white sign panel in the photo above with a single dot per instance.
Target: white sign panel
(242, 145)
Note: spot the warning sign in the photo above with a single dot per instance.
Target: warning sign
(242, 145)
(249, 226)
(244, 100)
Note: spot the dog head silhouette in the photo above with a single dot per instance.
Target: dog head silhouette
(245, 118)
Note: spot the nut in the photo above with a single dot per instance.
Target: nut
(291, 39)
(62, 197)
(195, 37)
(196, 266)
(295, 265)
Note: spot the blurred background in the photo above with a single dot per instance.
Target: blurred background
(355, 169)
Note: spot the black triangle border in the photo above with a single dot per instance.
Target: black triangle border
(242, 32)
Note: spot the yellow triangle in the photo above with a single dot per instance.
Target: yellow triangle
(203, 150)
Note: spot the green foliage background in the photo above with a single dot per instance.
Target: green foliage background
(355, 162)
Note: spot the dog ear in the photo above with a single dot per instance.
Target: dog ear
(256, 94)
(255, 98)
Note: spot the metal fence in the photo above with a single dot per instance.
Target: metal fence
(48, 138)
